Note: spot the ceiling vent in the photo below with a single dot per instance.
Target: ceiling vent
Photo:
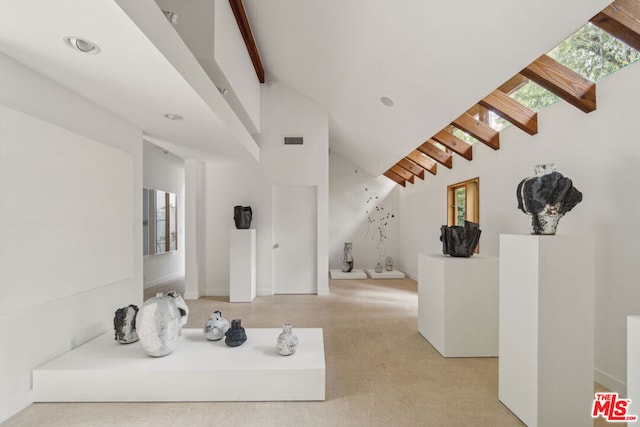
(293, 140)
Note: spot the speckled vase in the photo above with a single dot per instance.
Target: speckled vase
(236, 335)
(287, 341)
(159, 323)
(378, 268)
(216, 327)
(124, 324)
(388, 264)
(347, 258)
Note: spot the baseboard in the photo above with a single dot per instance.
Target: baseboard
(264, 292)
(15, 404)
(610, 382)
(213, 292)
(412, 276)
(174, 276)
(191, 295)
(323, 291)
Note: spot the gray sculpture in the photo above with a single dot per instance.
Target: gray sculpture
(242, 216)
(236, 335)
(124, 323)
(547, 196)
(347, 258)
(460, 241)
(287, 341)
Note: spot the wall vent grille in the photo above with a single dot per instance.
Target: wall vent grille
(293, 140)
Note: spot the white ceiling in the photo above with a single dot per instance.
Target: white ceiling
(435, 59)
(139, 76)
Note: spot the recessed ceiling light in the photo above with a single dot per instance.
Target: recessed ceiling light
(386, 101)
(172, 116)
(82, 45)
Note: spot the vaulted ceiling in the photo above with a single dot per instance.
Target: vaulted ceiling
(433, 59)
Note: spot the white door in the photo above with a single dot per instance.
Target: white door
(294, 236)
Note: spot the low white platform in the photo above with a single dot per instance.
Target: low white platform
(353, 274)
(393, 274)
(198, 370)
(458, 304)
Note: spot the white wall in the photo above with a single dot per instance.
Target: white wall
(599, 151)
(165, 172)
(38, 329)
(354, 195)
(284, 112)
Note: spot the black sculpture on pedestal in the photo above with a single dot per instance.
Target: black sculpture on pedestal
(460, 241)
(242, 217)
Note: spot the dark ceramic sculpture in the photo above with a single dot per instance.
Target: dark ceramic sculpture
(547, 196)
(347, 258)
(460, 241)
(124, 323)
(242, 216)
(236, 335)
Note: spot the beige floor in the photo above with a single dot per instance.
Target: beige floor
(379, 371)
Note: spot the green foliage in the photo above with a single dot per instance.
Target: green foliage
(534, 96)
(464, 136)
(590, 52)
(594, 53)
(461, 204)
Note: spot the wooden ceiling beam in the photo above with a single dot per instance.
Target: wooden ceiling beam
(479, 130)
(245, 29)
(563, 81)
(621, 19)
(454, 143)
(513, 84)
(394, 177)
(409, 166)
(511, 110)
(442, 157)
(423, 161)
(405, 174)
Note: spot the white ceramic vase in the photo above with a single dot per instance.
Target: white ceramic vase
(287, 341)
(159, 323)
(216, 327)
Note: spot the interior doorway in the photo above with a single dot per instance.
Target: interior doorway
(295, 235)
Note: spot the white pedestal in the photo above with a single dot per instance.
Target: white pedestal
(352, 275)
(198, 370)
(458, 304)
(546, 328)
(384, 274)
(633, 364)
(242, 265)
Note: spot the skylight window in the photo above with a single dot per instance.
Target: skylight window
(534, 96)
(594, 53)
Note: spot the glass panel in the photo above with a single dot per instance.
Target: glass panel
(460, 198)
(145, 221)
(594, 53)
(161, 222)
(173, 222)
(534, 96)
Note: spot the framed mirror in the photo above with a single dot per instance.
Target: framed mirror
(160, 224)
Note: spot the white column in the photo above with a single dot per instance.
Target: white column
(194, 228)
(546, 328)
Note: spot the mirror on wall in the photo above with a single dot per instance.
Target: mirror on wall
(160, 225)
